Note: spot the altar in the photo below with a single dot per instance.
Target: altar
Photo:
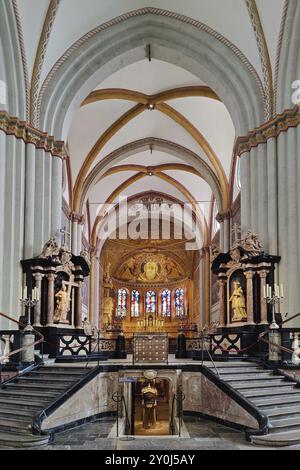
(150, 348)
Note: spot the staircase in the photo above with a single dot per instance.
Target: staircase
(26, 396)
(273, 395)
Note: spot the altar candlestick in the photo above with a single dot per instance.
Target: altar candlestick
(281, 290)
(265, 292)
(25, 293)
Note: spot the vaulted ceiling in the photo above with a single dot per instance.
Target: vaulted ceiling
(192, 120)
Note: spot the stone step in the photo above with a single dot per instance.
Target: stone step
(284, 400)
(241, 377)
(235, 370)
(51, 380)
(38, 387)
(17, 413)
(63, 370)
(53, 375)
(263, 384)
(281, 439)
(19, 426)
(284, 410)
(28, 394)
(271, 391)
(20, 402)
(12, 440)
(284, 422)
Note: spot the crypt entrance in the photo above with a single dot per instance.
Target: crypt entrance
(151, 407)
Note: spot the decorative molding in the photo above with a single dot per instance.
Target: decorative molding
(39, 58)
(281, 123)
(143, 12)
(77, 217)
(264, 57)
(22, 130)
(221, 216)
(278, 52)
(23, 54)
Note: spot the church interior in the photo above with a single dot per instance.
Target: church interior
(149, 224)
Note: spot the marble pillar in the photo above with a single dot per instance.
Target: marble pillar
(263, 303)
(37, 308)
(250, 307)
(223, 313)
(51, 304)
(78, 305)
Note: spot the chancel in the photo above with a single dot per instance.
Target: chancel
(149, 224)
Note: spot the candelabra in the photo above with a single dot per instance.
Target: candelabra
(273, 298)
(30, 301)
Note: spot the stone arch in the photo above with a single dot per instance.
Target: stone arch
(11, 62)
(174, 39)
(159, 144)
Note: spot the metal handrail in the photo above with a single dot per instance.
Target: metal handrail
(23, 348)
(172, 421)
(208, 329)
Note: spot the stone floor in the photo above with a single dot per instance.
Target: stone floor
(204, 435)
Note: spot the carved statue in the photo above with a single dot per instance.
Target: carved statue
(89, 328)
(238, 302)
(62, 305)
(51, 248)
(149, 404)
(85, 255)
(108, 306)
(251, 243)
(214, 251)
(66, 262)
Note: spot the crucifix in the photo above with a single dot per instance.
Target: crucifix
(236, 230)
(65, 234)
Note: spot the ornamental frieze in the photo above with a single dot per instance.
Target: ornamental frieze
(260, 135)
(22, 130)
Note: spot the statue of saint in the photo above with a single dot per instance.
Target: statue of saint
(150, 271)
(62, 305)
(238, 302)
(51, 248)
(149, 404)
(251, 243)
(108, 305)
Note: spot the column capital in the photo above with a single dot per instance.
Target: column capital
(51, 276)
(77, 217)
(38, 276)
(262, 274)
(249, 274)
(221, 216)
(205, 249)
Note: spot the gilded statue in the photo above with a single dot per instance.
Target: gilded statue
(63, 305)
(149, 404)
(238, 303)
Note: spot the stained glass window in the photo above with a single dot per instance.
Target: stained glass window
(135, 303)
(122, 294)
(150, 301)
(166, 303)
(179, 301)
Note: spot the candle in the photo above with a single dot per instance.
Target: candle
(33, 294)
(281, 290)
(25, 293)
(269, 291)
(21, 293)
(265, 292)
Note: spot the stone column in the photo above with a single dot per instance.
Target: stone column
(74, 236)
(37, 308)
(223, 313)
(92, 286)
(39, 238)
(250, 310)
(48, 196)
(29, 200)
(263, 303)
(262, 186)
(227, 233)
(96, 290)
(272, 196)
(78, 304)
(50, 311)
(56, 197)
(254, 189)
(2, 218)
(245, 192)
